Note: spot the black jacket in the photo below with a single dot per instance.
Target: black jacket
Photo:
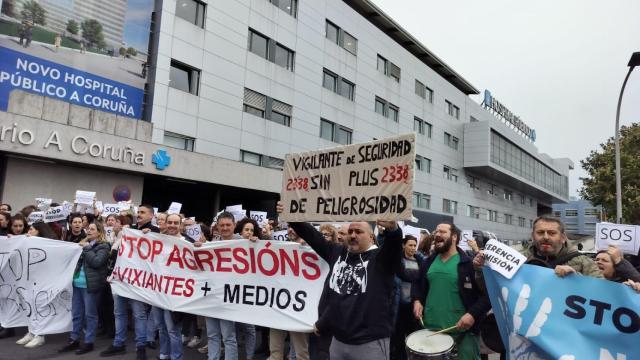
(474, 300)
(75, 238)
(148, 225)
(358, 303)
(624, 271)
(95, 260)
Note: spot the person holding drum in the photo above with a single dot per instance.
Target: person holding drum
(446, 296)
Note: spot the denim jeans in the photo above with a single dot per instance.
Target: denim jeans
(139, 317)
(227, 329)
(153, 323)
(84, 310)
(249, 338)
(170, 334)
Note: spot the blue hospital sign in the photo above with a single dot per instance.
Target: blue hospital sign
(20, 71)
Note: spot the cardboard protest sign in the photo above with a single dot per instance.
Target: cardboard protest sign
(109, 209)
(238, 212)
(625, 237)
(43, 203)
(543, 316)
(268, 283)
(35, 286)
(281, 235)
(174, 208)
(35, 216)
(464, 241)
(259, 216)
(85, 197)
(193, 231)
(362, 182)
(55, 214)
(502, 258)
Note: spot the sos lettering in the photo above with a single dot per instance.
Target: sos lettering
(616, 234)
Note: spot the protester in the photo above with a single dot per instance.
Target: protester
(18, 225)
(358, 311)
(27, 210)
(161, 222)
(446, 293)
(614, 266)
(329, 232)
(42, 230)
(86, 220)
(170, 322)
(76, 232)
(342, 236)
(405, 322)
(217, 328)
(5, 218)
(426, 244)
(88, 282)
(299, 341)
(5, 208)
(139, 309)
(57, 41)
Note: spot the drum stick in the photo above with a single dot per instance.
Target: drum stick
(442, 331)
(421, 322)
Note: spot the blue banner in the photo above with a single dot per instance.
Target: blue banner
(35, 75)
(543, 316)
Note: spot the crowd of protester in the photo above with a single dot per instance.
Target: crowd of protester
(409, 284)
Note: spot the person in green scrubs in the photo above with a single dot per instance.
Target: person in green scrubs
(447, 295)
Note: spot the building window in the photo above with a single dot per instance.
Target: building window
(491, 190)
(508, 195)
(492, 215)
(451, 141)
(380, 106)
(393, 113)
(508, 219)
(591, 212)
(341, 37)
(261, 160)
(387, 109)
(450, 173)
(191, 10)
(184, 77)
(530, 224)
(250, 157)
(423, 91)
(388, 68)
(338, 84)
(449, 206)
(271, 50)
(418, 125)
(521, 221)
(452, 109)
(334, 132)
(570, 212)
(288, 6)
(422, 201)
(266, 107)
(473, 182)
(178, 141)
(330, 80)
(473, 211)
(258, 44)
(522, 199)
(423, 164)
(284, 57)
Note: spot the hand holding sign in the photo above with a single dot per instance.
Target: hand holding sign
(624, 237)
(194, 232)
(259, 216)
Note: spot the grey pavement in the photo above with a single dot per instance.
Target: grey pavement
(124, 70)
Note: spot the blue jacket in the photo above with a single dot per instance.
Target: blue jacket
(474, 300)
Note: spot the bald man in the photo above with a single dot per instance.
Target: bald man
(359, 289)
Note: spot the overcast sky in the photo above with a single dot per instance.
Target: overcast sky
(558, 64)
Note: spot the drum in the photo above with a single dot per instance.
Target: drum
(419, 346)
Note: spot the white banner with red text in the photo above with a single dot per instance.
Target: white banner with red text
(35, 283)
(268, 283)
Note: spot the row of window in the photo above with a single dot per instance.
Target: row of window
(267, 107)
(387, 109)
(492, 190)
(194, 11)
(388, 68)
(341, 37)
(338, 84)
(271, 50)
(261, 160)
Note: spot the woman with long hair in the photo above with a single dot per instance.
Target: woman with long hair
(89, 280)
(614, 267)
(5, 217)
(18, 225)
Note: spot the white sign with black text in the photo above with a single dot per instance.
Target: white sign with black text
(502, 258)
(624, 237)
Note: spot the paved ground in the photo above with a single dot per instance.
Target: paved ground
(127, 71)
(10, 351)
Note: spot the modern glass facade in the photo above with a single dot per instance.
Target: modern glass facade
(509, 156)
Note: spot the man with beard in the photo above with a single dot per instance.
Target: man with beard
(446, 294)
